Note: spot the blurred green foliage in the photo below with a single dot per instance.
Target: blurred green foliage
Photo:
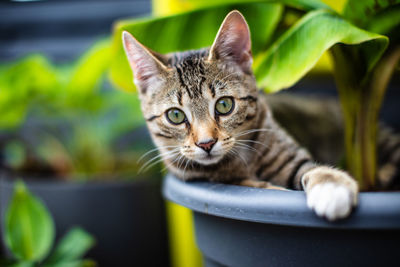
(29, 81)
(29, 235)
(67, 120)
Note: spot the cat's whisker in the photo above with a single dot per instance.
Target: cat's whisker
(236, 153)
(244, 146)
(153, 150)
(167, 164)
(157, 161)
(177, 159)
(184, 170)
(180, 161)
(171, 163)
(182, 158)
(252, 131)
(147, 153)
(161, 155)
(252, 141)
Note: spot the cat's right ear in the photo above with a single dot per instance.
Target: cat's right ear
(233, 43)
(147, 70)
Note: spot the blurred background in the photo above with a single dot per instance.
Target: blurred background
(77, 137)
(71, 135)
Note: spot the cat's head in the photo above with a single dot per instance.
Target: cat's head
(198, 103)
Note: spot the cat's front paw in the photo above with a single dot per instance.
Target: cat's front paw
(331, 193)
(330, 200)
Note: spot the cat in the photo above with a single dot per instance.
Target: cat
(209, 120)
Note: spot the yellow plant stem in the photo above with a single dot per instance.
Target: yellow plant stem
(184, 251)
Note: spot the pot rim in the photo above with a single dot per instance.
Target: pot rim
(375, 210)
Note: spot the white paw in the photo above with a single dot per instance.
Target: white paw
(330, 200)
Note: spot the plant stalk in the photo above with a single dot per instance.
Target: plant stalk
(361, 100)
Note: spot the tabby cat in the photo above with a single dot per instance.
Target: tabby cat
(209, 120)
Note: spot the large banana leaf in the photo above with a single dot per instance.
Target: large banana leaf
(298, 50)
(190, 30)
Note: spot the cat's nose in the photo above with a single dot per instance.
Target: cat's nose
(207, 145)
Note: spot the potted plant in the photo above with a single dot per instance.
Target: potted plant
(29, 235)
(252, 227)
(76, 142)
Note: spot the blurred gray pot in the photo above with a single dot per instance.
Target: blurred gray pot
(126, 218)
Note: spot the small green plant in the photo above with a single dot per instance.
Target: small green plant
(66, 120)
(288, 38)
(29, 236)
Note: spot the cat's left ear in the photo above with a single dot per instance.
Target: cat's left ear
(147, 66)
(233, 42)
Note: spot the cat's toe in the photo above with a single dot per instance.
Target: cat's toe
(330, 200)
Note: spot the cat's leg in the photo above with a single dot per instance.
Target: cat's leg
(259, 184)
(331, 193)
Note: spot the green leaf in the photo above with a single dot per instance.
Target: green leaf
(299, 49)
(22, 83)
(88, 72)
(178, 33)
(75, 263)
(386, 22)
(29, 228)
(72, 247)
(306, 5)
(361, 11)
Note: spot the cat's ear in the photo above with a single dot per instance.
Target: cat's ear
(233, 42)
(147, 69)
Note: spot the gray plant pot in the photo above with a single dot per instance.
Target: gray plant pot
(126, 218)
(242, 226)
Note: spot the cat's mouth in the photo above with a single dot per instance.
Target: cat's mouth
(209, 159)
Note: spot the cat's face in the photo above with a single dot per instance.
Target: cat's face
(198, 104)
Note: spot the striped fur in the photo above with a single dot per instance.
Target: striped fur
(250, 147)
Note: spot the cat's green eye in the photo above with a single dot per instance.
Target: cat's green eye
(175, 116)
(224, 106)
